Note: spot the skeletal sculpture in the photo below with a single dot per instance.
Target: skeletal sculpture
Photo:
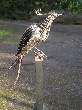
(33, 36)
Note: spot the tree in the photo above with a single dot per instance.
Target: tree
(23, 9)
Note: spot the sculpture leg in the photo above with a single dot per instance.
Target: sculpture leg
(39, 53)
(19, 68)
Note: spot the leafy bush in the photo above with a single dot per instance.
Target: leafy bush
(23, 9)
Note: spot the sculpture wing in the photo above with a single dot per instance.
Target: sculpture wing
(24, 40)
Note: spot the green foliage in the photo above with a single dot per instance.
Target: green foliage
(23, 9)
(4, 33)
(73, 6)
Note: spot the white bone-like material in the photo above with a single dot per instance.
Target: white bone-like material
(33, 37)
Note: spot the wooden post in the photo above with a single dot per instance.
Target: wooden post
(39, 105)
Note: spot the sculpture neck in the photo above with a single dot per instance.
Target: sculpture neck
(47, 22)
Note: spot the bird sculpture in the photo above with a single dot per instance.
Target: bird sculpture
(33, 36)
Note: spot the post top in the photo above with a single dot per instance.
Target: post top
(38, 58)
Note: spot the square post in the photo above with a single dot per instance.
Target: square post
(39, 105)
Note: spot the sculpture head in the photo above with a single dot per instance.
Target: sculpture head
(52, 13)
(38, 12)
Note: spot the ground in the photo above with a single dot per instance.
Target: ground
(62, 70)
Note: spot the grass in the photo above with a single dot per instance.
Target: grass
(4, 33)
(9, 37)
(3, 104)
(12, 98)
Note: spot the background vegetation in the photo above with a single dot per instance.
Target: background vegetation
(23, 9)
